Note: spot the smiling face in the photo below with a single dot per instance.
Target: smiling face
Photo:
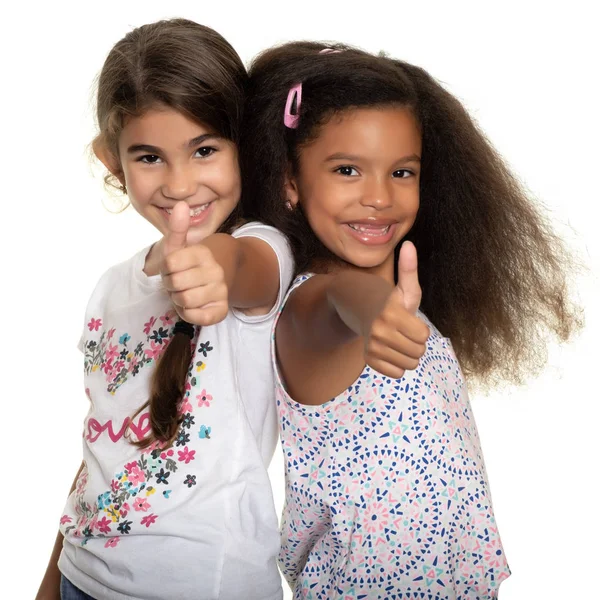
(358, 184)
(164, 158)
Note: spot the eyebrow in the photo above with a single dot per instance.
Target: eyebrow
(156, 150)
(353, 157)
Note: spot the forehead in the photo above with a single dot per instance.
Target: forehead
(370, 130)
(163, 127)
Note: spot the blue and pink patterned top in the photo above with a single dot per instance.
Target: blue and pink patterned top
(386, 489)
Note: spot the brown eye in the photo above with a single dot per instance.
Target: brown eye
(149, 159)
(346, 171)
(402, 173)
(205, 151)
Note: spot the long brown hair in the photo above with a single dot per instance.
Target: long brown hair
(492, 271)
(192, 69)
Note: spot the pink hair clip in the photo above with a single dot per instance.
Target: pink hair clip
(329, 51)
(290, 120)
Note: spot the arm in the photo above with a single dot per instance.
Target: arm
(329, 311)
(206, 279)
(250, 268)
(50, 586)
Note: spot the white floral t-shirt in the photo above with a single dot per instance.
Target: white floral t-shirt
(196, 520)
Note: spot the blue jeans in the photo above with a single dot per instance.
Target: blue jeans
(69, 592)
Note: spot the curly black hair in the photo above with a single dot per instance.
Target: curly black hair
(492, 271)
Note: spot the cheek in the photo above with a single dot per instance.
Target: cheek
(138, 183)
(226, 180)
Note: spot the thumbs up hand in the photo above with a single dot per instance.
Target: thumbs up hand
(397, 337)
(191, 275)
(178, 226)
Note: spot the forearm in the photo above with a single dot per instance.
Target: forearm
(358, 298)
(250, 267)
(332, 310)
(50, 586)
(227, 252)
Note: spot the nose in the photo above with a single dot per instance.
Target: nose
(377, 193)
(179, 183)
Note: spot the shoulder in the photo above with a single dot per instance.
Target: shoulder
(128, 266)
(123, 276)
(435, 332)
(260, 230)
(278, 243)
(277, 240)
(440, 355)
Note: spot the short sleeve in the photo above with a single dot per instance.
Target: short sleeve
(281, 247)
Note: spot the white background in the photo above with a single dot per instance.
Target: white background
(526, 71)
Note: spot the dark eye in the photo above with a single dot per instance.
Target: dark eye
(346, 171)
(402, 173)
(205, 151)
(150, 159)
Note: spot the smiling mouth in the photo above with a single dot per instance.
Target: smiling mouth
(194, 210)
(370, 230)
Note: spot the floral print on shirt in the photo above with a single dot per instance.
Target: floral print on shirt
(116, 359)
(131, 502)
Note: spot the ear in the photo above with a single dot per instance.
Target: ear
(108, 159)
(291, 190)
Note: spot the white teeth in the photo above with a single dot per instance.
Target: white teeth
(194, 212)
(374, 231)
(198, 209)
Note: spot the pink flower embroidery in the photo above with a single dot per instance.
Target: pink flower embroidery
(94, 324)
(103, 525)
(111, 333)
(167, 319)
(149, 520)
(65, 519)
(141, 504)
(185, 407)
(204, 398)
(149, 325)
(112, 542)
(155, 350)
(119, 366)
(168, 453)
(186, 455)
(136, 475)
(124, 509)
(111, 353)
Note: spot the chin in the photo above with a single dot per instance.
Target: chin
(366, 262)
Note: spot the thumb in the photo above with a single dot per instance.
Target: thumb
(408, 277)
(177, 228)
